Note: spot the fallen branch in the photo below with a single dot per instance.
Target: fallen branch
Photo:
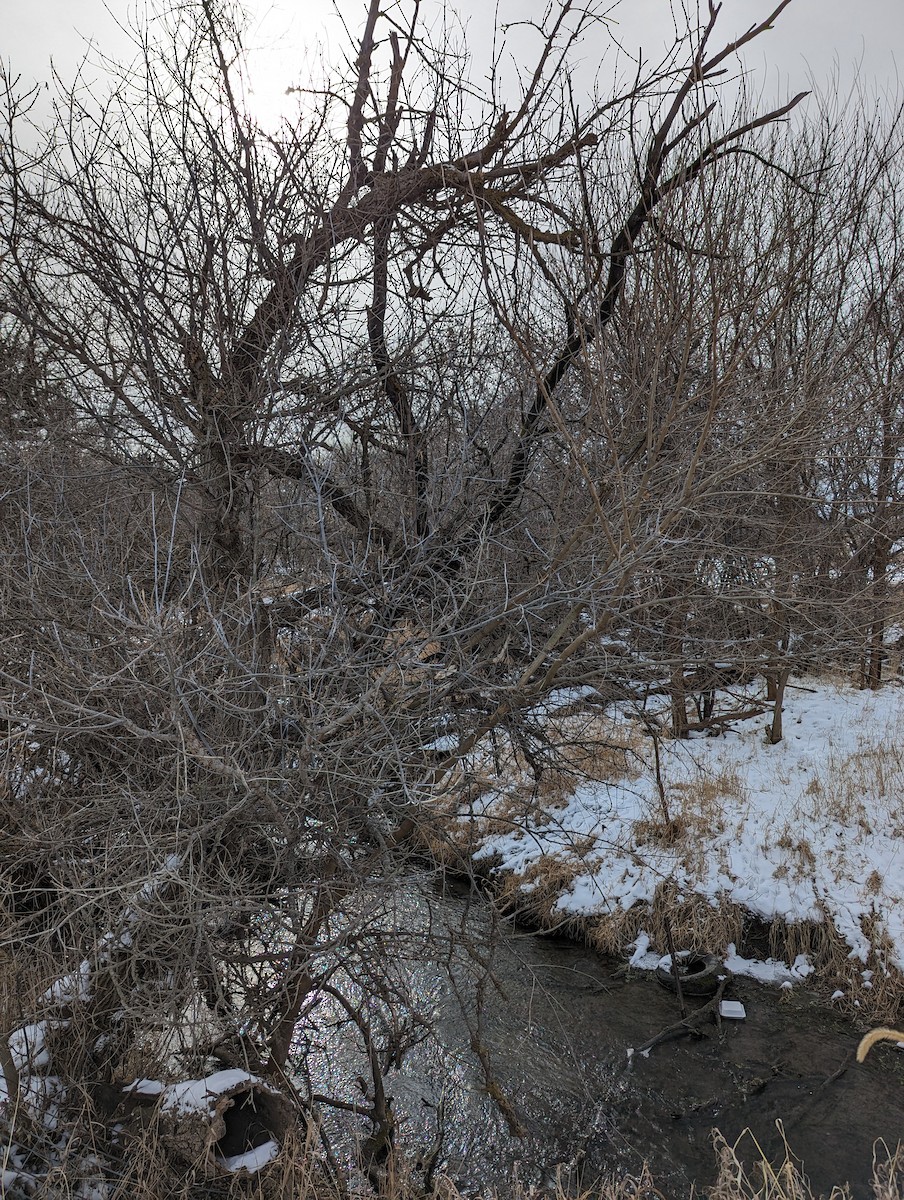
(690, 1024)
(740, 714)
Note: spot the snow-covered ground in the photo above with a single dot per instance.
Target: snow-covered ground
(808, 830)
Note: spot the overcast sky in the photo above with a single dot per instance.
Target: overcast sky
(814, 40)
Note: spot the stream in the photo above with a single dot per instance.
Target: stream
(554, 1024)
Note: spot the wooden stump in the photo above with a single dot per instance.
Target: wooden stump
(227, 1122)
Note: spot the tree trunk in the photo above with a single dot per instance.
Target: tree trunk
(675, 651)
(775, 730)
(881, 554)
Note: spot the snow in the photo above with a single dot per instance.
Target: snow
(170, 867)
(252, 1160)
(811, 829)
(444, 743)
(28, 1047)
(144, 1087)
(41, 1096)
(562, 698)
(770, 970)
(200, 1095)
(71, 987)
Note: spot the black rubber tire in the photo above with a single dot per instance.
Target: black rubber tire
(700, 974)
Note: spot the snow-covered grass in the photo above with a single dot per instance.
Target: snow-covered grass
(807, 836)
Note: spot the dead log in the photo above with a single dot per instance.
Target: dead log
(227, 1122)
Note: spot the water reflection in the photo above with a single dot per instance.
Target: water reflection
(518, 1045)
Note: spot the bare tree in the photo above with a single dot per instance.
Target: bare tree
(375, 426)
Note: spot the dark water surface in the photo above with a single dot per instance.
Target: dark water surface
(554, 1024)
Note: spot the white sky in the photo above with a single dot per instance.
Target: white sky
(812, 40)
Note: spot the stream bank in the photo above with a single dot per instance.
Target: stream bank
(554, 1094)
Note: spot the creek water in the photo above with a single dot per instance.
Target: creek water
(552, 1092)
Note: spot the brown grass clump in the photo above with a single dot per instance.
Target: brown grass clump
(764, 1180)
(695, 923)
(689, 814)
(760, 1180)
(588, 749)
(876, 998)
(594, 749)
(534, 894)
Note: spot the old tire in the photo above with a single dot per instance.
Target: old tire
(700, 974)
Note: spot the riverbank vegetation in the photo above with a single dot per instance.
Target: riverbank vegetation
(727, 844)
(743, 1173)
(380, 484)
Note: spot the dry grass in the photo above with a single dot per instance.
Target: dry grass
(591, 748)
(764, 1180)
(534, 894)
(694, 922)
(874, 770)
(785, 1181)
(744, 1173)
(861, 791)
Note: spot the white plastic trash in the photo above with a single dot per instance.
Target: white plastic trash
(733, 1010)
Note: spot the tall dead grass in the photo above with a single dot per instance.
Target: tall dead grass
(744, 1173)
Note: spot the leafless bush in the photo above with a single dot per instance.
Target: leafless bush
(333, 450)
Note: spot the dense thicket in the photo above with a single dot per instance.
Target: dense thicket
(328, 451)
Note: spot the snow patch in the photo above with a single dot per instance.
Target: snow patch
(806, 830)
(443, 744)
(251, 1160)
(201, 1095)
(770, 970)
(145, 1087)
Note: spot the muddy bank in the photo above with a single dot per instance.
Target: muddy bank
(559, 1031)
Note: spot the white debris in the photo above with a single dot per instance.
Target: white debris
(642, 957)
(732, 1010)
